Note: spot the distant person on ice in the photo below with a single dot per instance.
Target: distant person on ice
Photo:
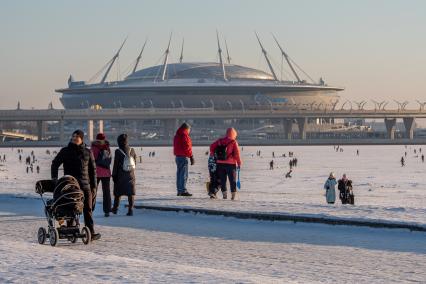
(330, 189)
(288, 174)
(227, 154)
(102, 154)
(78, 162)
(271, 165)
(182, 148)
(123, 174)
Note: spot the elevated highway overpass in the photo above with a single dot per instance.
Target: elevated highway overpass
(172, 115)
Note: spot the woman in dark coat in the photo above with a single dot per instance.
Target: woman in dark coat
(124, 181)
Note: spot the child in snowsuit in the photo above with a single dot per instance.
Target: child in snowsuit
(214, 183)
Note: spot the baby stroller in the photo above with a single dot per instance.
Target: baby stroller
(63, 211)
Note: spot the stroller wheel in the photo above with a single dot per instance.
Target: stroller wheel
(53, 236)
(41, 235)
(86, 235)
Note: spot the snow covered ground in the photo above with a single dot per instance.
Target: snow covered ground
(180, 248)
(383, 189)
(164, 247)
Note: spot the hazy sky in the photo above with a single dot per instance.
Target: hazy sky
(374, 48)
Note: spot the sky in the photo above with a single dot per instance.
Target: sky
(376, 49)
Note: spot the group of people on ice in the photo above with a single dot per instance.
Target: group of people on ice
(344, 185)
(92, 166)
(223, 164)
(417, 153)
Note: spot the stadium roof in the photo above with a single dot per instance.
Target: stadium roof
(200, 70)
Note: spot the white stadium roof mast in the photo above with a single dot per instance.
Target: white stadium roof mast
(112, 62)
(266, 58)
(139, 57)
(283, 53)
(166, 59)
(219, 50)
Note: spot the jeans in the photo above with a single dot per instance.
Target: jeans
(181, 174)
(106, 193)
(227, 171)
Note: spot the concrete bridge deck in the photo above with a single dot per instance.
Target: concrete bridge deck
(171, 117)
(257, 142)
(193, 113)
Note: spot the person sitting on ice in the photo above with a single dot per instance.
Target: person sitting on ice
(227, 154)
(288, 174)
(330, 189)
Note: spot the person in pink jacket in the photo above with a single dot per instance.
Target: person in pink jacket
(227, 155)
(102, 154)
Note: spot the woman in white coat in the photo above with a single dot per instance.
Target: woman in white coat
(330, 189)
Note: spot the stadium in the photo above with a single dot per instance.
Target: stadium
(219, 85)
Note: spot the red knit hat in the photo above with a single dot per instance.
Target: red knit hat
(100, 136)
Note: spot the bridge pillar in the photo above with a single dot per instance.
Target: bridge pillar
(100, 126)
(90, 129)
(288, 128)
(61, 131)
(40, 130)
(390, 127)
(409, 123)
(302, 122)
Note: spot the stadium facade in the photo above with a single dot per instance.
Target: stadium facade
(220, 85)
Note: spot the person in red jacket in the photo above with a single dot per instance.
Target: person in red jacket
(102, 154)
(227, 154)
(182, 149)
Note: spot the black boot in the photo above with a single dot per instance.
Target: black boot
(96, 236)
(114, 209)
(131, 204)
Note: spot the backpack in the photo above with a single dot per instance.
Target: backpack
(104, 159)
(220, 153)
(129, 163)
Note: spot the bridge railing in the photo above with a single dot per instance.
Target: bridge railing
(209, 110)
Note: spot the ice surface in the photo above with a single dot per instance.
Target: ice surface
(383, 189)
(165, 247)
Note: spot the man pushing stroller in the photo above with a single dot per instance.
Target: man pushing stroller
(78, 162)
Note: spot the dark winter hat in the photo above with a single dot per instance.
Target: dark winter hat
(122, 140)
(100, 136)
(185, 126)
(79, 133)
